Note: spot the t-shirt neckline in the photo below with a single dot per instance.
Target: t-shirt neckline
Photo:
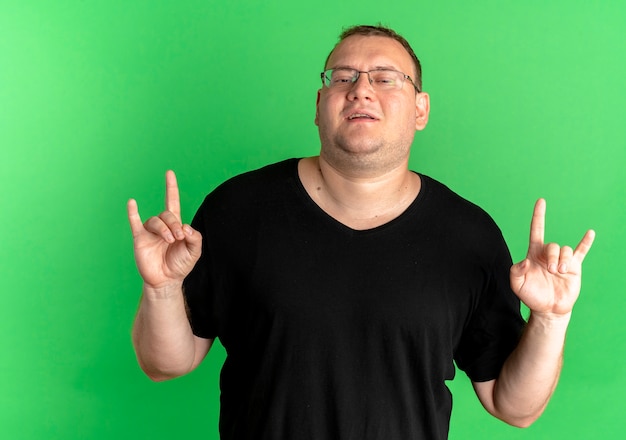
(306, 198)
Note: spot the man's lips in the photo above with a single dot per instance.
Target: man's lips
(359, 115)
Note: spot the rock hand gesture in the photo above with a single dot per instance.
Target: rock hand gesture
(548, 280)
(165, 249)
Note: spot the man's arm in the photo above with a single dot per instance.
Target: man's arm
(165, 252)
(164, 343)
(529, 376)
(548, 282)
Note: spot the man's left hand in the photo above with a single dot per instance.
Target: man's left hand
(548, 280)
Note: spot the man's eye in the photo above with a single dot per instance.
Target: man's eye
(385, 79)
(339, 79)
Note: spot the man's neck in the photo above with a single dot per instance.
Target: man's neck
(359, 201)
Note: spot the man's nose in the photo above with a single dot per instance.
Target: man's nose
(362, 87)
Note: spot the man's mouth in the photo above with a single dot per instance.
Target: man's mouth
(354, 116)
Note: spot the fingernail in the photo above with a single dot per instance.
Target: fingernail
(552, 267)
(563, 268)
(187, 229)
(169, 237)
(179, 234)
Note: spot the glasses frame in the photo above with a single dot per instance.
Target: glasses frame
(358, 73)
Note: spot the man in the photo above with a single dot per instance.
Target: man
(344, 286)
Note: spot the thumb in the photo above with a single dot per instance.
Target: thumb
(518, 274)
(193, 239)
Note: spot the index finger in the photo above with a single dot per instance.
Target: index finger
(538, 224)
(172, 197)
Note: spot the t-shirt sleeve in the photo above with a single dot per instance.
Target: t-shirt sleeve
(197, 286)
(496, 324)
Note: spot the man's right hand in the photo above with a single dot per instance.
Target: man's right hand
(165, 249)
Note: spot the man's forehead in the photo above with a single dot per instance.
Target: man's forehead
(376, 51)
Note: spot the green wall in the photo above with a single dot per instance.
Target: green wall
(99, 98)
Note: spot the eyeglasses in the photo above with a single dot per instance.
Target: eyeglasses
(380, 79)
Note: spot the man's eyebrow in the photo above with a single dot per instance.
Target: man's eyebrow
(379, 67)
(385, 67)
(341, 66)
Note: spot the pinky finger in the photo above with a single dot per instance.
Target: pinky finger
(585, 244)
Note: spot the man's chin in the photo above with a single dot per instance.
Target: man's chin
(353, 157)
(358, 147)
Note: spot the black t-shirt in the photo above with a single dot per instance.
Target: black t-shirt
(334, 333)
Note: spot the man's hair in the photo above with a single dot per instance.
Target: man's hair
(382, 31)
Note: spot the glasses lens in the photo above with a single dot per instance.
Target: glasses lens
(381, 79)
(339, 77)
(386, 79)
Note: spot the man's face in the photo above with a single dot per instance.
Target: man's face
(382, 138)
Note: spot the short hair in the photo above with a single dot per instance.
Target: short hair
(382, 31)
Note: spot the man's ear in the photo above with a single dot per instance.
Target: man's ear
(422, 109)
(317, 108)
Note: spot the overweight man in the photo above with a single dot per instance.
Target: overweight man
(345, 287)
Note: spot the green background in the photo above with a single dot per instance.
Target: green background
(99, 98)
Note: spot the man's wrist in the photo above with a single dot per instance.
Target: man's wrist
(166, 292)
(550, 320)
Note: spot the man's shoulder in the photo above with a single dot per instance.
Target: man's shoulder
(255, 186)
(449, 207)
(441, 194)
(270, 173)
